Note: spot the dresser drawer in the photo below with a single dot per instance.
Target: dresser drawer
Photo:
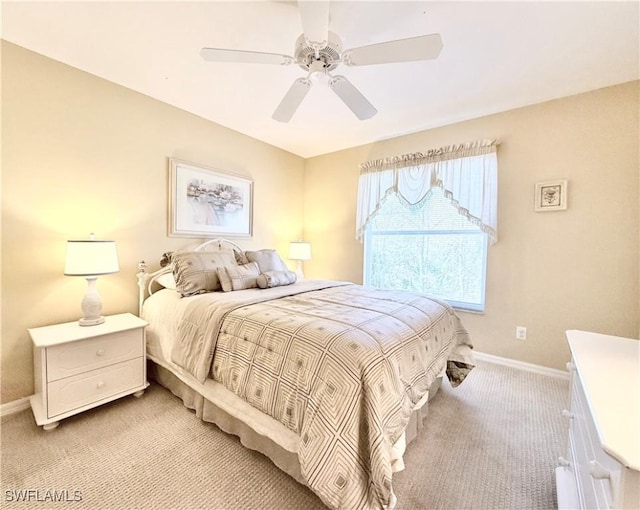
(591, 492)
(592, 461)
(74, 392)
(74, 358)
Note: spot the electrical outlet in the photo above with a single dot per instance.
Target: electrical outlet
(521, 333)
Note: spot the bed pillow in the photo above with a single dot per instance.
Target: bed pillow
(275, 279)
(167, 281)
(195, 272)
(238, 277)
(267, 260)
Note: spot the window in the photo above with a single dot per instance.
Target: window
(426, 219)
(428, 247)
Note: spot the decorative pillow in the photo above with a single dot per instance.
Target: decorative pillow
(268, 260)
(239, 277)
(166, 258)
(275, 279)
(167, 281)
(195, 271)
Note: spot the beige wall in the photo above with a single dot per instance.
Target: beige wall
(81, 155)
(576, 269)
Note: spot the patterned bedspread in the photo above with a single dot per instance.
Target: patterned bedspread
(342, 365)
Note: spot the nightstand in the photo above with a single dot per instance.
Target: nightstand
(80, 367)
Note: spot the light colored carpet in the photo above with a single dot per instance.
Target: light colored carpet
(491, 443)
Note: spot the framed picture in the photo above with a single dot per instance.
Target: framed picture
(551, 196)
(204, 202)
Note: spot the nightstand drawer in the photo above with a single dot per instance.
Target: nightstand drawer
(86, 388)
(74, 358)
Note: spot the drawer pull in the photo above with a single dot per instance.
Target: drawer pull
(598, 471)
(568, 414)
(570, 366)
(100, 352)
(100, 385)
(563, 462)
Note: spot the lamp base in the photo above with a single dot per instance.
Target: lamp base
(91, 322)
(91, 305)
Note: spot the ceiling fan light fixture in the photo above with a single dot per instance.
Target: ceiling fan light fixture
(319, 78)
(318, 72)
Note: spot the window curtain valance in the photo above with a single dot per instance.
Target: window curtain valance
(467, 173)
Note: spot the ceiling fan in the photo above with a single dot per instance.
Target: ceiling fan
(319, 51)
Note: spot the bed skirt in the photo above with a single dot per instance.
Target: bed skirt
(284, 459)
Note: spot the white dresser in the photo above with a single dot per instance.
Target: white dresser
(80, 367)
(601, 466)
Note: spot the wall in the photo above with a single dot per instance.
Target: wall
(81, 155)
(553, 271)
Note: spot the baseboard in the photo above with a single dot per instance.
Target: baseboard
(529, 367)
(14, 407)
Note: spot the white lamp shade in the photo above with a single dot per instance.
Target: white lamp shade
(300, 250)
(91, 258)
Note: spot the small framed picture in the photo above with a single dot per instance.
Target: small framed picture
(205, 202)
(551, 196)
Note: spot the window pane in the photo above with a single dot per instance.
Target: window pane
(430, 248)
(444, 265)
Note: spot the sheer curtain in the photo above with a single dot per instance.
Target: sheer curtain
(467, 173)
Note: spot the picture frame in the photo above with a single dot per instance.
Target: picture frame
(551, 196)
(206, 202)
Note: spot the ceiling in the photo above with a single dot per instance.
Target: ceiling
(497, 56)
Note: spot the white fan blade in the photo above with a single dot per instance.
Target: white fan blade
(424, 47)
(315, 22)
(292, 99)
(244, 57)
(352, 97)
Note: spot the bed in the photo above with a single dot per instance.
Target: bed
(329, 379)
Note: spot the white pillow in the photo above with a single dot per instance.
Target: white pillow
(167, 281)
(267, 260)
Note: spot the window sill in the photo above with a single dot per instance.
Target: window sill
(466, 310)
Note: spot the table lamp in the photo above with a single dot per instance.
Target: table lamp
(91, 258)
(300, 250)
